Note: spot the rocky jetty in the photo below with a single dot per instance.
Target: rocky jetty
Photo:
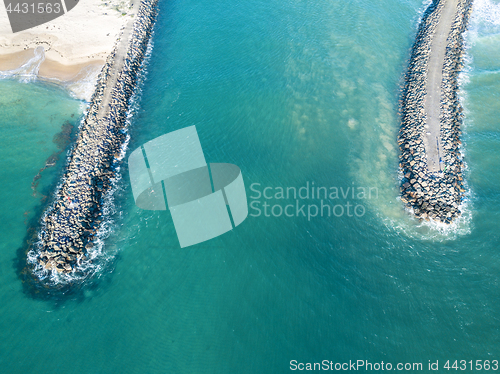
(70, 224)
(435, 192)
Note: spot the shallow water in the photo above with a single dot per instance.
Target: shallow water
(293, 93)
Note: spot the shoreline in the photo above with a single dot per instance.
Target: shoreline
(78, 79)
(70, 225)
(431, 162)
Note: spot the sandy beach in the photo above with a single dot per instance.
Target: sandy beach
(75, 45)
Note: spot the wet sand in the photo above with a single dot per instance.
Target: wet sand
(55, 70)
(11, 61)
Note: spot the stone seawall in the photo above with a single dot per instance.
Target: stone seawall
(433, 192)
(69, 226)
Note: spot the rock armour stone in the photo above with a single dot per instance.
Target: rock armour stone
(70, 224)
(435, 195)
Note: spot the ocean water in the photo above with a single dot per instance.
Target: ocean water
(296, 94)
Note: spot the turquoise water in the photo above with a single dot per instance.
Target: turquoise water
(293, 93)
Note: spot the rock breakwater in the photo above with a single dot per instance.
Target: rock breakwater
(69, 226)
(430, 158)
